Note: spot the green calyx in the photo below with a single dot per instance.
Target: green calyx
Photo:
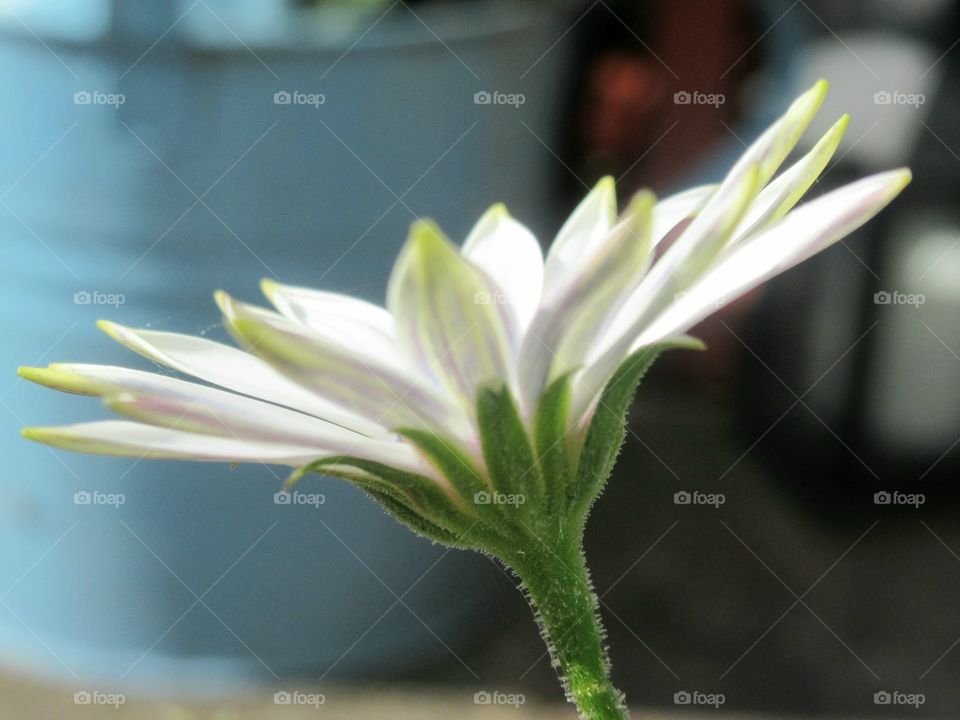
(526, 503)
(538, 477)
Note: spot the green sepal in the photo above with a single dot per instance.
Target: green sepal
(550, 432)
(420, 525)
(608, 425)
(466, 480)
(416, 500)
(511, 463)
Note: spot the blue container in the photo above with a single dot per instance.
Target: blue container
(143, 175)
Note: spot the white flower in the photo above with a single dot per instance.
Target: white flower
(484, 407)
(326, 376)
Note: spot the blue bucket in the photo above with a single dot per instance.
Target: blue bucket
(142, 178)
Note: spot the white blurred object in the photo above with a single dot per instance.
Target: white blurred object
(68, 20)
(886, 82)
(914, 403)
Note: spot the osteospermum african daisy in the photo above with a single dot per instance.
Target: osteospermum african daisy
(484, 406)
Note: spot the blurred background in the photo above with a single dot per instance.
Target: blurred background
(782, 528)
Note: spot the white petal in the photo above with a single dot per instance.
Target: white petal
(447, 322)
(349, 376)
(804, 232)
(680, 265)
(510, 255)
(690, 254)
(672, 210)
(708, 233)
(573, 313)
(768, 151)
(130, 439)
(704, 239)
(581, 235)
(235, 370)
(801, 234)
(186, 406)
(239, 418)
(343, 318)
(782, 194)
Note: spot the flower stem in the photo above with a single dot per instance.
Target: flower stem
(557, 582)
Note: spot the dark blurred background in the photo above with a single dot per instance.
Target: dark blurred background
(157, 150)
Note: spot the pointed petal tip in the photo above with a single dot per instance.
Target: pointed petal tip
(906, 175)
(607, 187)
(894, 181)
(806, 105)
(225, 303)
(59, 376)
(38, 375)
(422, 226)
(831, 139)
(899, 179)
(426, 239)
(269, 287)
(642, 200)
(816, 93)
(43, 435)
(114, 330)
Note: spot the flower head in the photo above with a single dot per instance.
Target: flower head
(492, 373)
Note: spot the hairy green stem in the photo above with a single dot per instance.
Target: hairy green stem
(557, 582)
